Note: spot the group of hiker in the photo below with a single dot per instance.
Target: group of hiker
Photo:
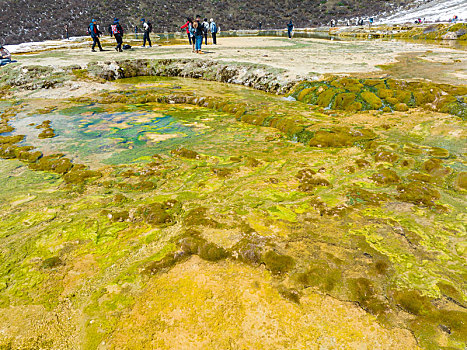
(116, 30)
(198, 30)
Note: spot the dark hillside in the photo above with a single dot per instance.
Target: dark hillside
(31, 20)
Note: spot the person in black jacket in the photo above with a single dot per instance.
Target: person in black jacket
(290, 29)
(205, 30)
(117, 32)
(147, 27)
(199, 34)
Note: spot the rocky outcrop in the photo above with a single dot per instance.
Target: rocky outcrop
(254, 76)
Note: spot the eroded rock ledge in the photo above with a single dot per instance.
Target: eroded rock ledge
(255, 76)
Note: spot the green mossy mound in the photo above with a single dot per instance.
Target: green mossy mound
(382, 94)
(362, 290)
(461, 180)
(47, 134)
(343, 101)
(340, 137)
(278, 264)
(401, 107)
(52, 262)
(248, 251)
(308, 181)
(413, 302)
(385, 156)
(155, 214)
(8, 151)
(56, 163)
(373, 101)
(10, 140)
(186, 153)
(357, 195)
(78, 176)
(321, 276)
(386, 177)
(418, 193)
(198, 217)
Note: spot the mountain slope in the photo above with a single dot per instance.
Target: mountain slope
(25, 20)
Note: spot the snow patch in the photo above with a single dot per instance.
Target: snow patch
(432, 11)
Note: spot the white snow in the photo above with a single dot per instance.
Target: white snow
(43, 45)
(432, 11)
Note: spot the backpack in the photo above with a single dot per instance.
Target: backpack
(199, 29)
(115, 29)
(205, 27)
(149, 27)
(191, 29)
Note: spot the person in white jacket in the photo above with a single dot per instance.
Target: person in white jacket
(147, 28)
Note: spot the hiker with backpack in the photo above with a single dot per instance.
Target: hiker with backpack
(214, 30)
(67, 31)
(290, 29)
(205, 25)
(94, 32)
(117, 32)
(199, 33)
(147, 27)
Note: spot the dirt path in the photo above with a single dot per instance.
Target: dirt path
(298, 57)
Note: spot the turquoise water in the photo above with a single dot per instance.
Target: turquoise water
(109, 138)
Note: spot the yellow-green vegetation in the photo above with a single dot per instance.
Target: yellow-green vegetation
(437, 32)
(174, 213)
(382, 94)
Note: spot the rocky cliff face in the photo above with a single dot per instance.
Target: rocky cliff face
(23, 20)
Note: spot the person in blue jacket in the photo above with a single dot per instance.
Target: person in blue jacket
(95, 33)
(214, 30)
(290, 29)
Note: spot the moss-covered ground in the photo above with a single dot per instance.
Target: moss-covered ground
(175, 213)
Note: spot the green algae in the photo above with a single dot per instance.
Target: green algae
(413, 302)
(118, 213)
(324, 277)
(277, 263)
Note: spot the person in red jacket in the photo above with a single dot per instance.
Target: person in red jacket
(187, 26)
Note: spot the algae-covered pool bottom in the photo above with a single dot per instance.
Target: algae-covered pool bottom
(93, 136)
(199, 228)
